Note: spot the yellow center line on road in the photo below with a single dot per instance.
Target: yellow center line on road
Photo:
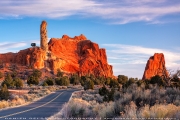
(31, 108)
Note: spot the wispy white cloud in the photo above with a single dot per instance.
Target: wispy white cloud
(16, 46)
(125, 57)
(118, 12)
(9, 45)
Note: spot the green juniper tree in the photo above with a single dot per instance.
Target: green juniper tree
(4, 93)
(18, 82)
(8, 81)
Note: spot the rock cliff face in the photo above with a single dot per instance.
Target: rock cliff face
(33, 57)
(79, 55)
(155, 66)
(71, 55)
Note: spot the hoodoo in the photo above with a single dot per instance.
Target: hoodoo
(155, 66)
(44, 38)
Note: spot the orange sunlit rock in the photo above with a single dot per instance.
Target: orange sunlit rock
(79, 55)
(155, 66)
(70, 55)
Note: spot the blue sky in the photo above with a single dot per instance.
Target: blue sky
(130, 30)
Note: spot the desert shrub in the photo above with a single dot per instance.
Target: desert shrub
(77, 108)
(104, 110)
(44, 84)
(134, 102)
(4, 93)
(103, 91)
(113, 83)
(49, 81)
(130, 81)
(89, 84)
(18, 83)
(28, 97)
(141, 97)
(17, 101)
(36, 73)
(122, 79)
(8, 81)
(63, 81)
(59, 73)
(14, 74)
(130, 111)
(32, 80)
(82, 80)
(160, 111)
(108, 95)
(75, 79)
(107, 81)
(157, 80)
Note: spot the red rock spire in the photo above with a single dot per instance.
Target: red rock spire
(155, 66)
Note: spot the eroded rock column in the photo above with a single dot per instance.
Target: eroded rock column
(44, 38)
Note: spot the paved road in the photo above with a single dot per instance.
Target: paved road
(40, 109)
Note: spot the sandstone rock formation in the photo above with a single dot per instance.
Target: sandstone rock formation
(155, 66)
(33, 57)
(44, 38)
(71, 55)
(79, 55)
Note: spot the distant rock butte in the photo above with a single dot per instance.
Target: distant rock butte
(155, 66)
(71, 55)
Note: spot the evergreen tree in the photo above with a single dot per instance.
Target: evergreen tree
(49, 81)
(37, 73)
(32, 80)
(59, 73)
(18, 83)
(103, 91)
(75, 79)
(63, 81)
(108, 95)
(8, 81)
(157, 80)
(130, 81)
(89, 84)
(83, 80)
(4, 93)
(114, 83)
(122, 79)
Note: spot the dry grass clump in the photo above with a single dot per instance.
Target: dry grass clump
(103, 110)
(17, 101)
(74, 108)
(4, 104)
(89, 95)
(160, 111)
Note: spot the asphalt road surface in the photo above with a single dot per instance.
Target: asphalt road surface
(39, 110)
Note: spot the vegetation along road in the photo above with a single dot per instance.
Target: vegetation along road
(41, 109)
